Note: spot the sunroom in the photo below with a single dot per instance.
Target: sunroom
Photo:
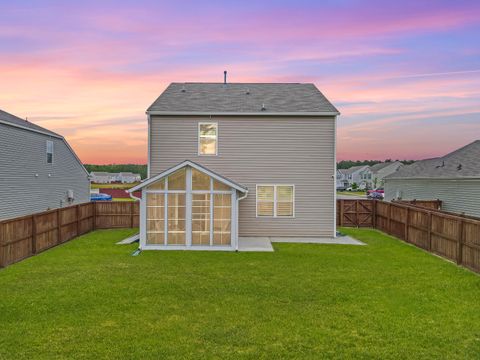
(189, 207)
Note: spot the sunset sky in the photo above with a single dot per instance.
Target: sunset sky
(404, 74)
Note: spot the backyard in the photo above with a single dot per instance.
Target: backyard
(89, 298)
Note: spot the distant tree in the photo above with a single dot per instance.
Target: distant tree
(346, 164)
(115, 168)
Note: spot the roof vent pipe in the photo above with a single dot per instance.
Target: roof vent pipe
(225, 77)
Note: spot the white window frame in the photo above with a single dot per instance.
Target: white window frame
(275, 216)
(199, 136)
(46, 151)
(189, 192)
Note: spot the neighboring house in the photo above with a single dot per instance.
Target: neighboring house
(358, 175)
(128, 177)
(453, 178)
(230, 160)
(380, 170)
(40, 171)
(342, 182)
(100, 177)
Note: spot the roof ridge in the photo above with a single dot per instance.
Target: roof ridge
(26, 124)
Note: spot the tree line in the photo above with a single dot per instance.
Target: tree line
(346, 164)
(116, 168)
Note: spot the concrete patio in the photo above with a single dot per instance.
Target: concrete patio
(264, 244)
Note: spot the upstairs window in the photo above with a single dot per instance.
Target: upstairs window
(49, 152)
(275, 200)
(207, 138)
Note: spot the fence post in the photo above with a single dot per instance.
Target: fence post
(389, 219)
(78, 219)
(374, 214)
(356, 214)
(407, 223)
(94, 215)
(429, 231)
(59, 227)
(34, 235)
(131, 214)
(341, 211)
(460, 243)
(2, 246)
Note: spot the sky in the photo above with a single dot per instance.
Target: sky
(405, 75)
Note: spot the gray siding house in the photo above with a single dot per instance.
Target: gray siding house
(374, 175)
(250, 160)
(39, 169)
(453, 178)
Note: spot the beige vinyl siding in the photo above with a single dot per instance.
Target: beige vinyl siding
(457, 195)
(261, 150)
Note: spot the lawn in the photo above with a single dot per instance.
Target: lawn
(352, 193)
(90, 299)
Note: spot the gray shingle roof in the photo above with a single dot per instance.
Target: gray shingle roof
(242, 98)
(379, 166)
(464, 162)
(16, 121)
(352, 169)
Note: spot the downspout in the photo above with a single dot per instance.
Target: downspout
(238, 213)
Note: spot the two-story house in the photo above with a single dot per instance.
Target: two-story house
(233, 160)
(40, 171)
(357, 175)
(381, 170)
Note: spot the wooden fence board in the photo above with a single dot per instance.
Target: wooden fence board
(453, 236)
(28, 235)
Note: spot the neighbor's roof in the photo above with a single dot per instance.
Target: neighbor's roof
(353, 169)
(18, 122)
(242, 98)
(461, 163)
(380, 166)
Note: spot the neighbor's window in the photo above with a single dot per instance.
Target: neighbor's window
(207, 138)
(275, 200)
(49, 152)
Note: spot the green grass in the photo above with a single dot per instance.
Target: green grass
(90, 299)
(353, 193)
(123, 199)
(113, 186)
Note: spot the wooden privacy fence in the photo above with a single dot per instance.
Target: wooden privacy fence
(28, 235)
(452, 236)
(430, 204)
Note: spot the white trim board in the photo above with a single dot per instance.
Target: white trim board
(200, 168)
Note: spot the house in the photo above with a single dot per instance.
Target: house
(372, 176)
(238, 160)
(40, 171)
(453, 178)
(100, 177)
(128, 177)
(380, 170)
(342, 182)
(357, 175)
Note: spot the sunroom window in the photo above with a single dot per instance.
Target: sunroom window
(207, 138)
(275, 200)
(189, 208)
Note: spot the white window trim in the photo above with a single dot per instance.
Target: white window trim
(198, 138)
(189, 192)
(46, 151)
(274, 202)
